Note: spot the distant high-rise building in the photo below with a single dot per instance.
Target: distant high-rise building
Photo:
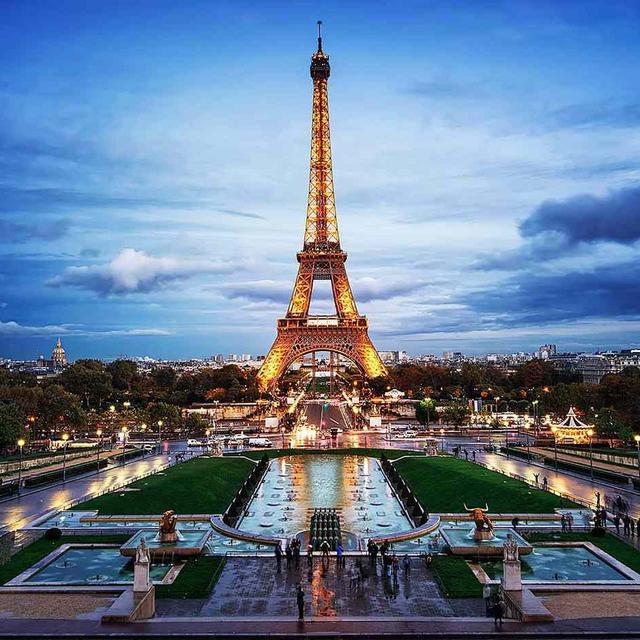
(232, 357)
(392, 357)
(546, 351)
(447, 355)
(219, 358)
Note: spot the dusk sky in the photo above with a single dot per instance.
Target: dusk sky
(154, 169)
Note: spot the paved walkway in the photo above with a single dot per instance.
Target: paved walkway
(252, 587)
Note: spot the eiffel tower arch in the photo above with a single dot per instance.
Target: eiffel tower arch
(321, 258)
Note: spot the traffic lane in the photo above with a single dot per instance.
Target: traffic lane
(13, 513)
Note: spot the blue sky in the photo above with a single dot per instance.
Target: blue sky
(154, 168)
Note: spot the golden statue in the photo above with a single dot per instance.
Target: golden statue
(168, 523)
(481, 519)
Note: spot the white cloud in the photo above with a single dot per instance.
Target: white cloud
(11, 328)
(133, 271)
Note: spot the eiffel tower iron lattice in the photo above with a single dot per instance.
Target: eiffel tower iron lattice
(320, 259)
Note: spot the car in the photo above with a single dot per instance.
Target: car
(260, 442)
(192, 442)
(148, 447)
(410, 434)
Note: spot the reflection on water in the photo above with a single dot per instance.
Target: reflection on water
(354, 485)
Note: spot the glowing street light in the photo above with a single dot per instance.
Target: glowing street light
(99, 434)
(554, 430)
(20, 445)
(637, 439)
(65, 438)
(442, 437)
(590, 434)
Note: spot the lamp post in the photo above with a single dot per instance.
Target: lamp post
(143, 428)
(20, 446)
(99, 434)
(160, 423)
(65, 438)
(554, 429)
(590, 434)
(526, 430)
(637, 439)
(442, 437)
(123, 435)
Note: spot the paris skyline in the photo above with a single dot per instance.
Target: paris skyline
(155, 170)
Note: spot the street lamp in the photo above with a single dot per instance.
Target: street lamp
(442, 436)
(65, 437)
(554, 429)
(526, 428)
(637, 439)
(123, 435)
(160, 423)
(99, 434)
(590, 434)
(20, 445)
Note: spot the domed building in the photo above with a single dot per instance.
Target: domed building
(58, 356)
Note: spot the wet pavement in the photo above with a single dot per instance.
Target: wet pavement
(252, 587)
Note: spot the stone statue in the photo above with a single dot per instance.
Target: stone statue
(510, 549)
(141, 577)
(142, 552)
(168, 523)
(511, 570)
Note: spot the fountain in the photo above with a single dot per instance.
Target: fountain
(484, 526)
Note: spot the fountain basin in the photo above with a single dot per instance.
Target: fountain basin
(461, 542)
(189, 543)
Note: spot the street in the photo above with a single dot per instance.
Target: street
(15, 512)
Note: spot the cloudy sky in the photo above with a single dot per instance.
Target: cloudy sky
(154, 168)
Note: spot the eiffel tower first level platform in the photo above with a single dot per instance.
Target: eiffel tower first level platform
(321, 258)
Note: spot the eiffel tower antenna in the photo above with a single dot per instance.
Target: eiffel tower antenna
(321, 258)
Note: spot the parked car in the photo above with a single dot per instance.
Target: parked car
(260, 442)
(192, 442)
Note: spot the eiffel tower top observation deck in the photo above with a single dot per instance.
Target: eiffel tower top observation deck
(321, 258)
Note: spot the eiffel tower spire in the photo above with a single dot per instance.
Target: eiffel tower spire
(321, 258)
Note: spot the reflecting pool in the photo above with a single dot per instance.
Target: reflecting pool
(87, 565)
(354, 485)
(558, 564)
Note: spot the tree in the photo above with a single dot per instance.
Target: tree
(425, 409)
(195, 424)
(456, 414)
(168, 413)
(124, 374)
(89, 380)
(11, 426)
(608, 424)
(60, 409)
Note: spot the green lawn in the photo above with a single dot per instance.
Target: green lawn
(615, 547)
(444, 484)
(195, 580)
(392, 454)
(202, 485)
(41, 548)
(455, 578)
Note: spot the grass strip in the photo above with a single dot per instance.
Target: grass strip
(195, 580)
(201, 485)
(445, 484)
(455, 578)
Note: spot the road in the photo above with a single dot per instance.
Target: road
(15, 512)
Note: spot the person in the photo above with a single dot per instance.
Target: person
(638, 526)
(616, 522)
(563, 523)
(289, 555)
(300, 602)
(515, 521)
(625, 523)
(545, 483)
(278, 554)
(570, 522)
(632, 524)
(384, 549)
(536, 477)
(498, 611)
(339, 555)
(466, 454)
(486, 594)
(310, 556)
(324, 548)
(428, 559)
(296, 553)
(474, 455)
(406, 565)
(374, 553)
(603, 517)
(395, 565)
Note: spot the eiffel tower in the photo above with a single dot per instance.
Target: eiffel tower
(321, 258)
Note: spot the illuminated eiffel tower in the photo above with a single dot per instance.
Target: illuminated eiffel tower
(321, 258)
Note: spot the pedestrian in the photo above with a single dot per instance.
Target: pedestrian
(638, 526)
(486, 594)
(310, 557)
(625, 522)
(545, 483)
(563, 523)
(324, 549)
(300, 602)
(603, 517)
(406, 565)
(616, 522)
(339, 555)
(395, 565)
(278, 554)
(515, 521)
(474, 455)
(289, 555)
(384, 549)
(499, 609)
(466, 454)
(428, 559)
(374, 553)
(296, 553)
(536, 476)
(632, 524)
(570, 522)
